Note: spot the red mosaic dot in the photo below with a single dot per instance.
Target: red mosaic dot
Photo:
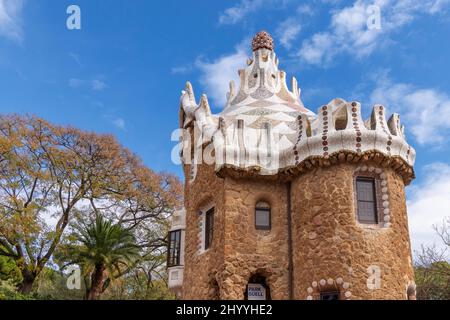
(325, 113)
(358, 139)
(324, 108)
(325, 148)
(354, 109)
(358, 145)
(325, 143)
(354, 104)
(324, 137)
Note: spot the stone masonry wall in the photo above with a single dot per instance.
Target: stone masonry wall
(249, 251)
(200, 270)
(333, 250)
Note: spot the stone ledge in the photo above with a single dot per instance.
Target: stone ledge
(399, 165)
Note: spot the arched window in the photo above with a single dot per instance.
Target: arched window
(262, 216)
(329, 295)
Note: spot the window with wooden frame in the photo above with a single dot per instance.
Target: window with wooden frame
(209, 228)
(366, 198)
(174, 250)
(263, 216)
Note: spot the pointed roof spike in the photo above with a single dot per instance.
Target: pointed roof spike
(204, 103)
(295, 87)
(190, 91)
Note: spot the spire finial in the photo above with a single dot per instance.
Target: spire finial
(262, 40)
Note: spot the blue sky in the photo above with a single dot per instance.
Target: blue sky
(123, 71)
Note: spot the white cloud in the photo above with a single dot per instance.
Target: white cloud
(98, 85)
(243, 8)
(216, 75)
(95, 84)
(429, 204)
(348, 31)
(305, 9)
(119, 123)
(425, 111)
(438, 6)
(236, 13)
(10, 19)
(288, 31)
(181, 69)
(76, 58)
(75, 83)
(318, 49)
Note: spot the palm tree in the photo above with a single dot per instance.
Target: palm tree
(102, 249)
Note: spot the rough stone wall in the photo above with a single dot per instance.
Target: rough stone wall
(332, 249)
(201, 269)
(249, 251)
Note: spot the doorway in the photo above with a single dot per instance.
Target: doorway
(257, 288)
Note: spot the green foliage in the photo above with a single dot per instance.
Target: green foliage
(433, 281)
(52, 285)
(9, 270)
(100, 248)
(102, 243)
(8, 291)
(138, 286)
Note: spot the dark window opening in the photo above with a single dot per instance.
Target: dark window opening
(366, 197)
(332, 295)
(209, 227)
(262, 216)
(174, 252)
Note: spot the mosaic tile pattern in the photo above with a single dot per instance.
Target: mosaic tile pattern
(275, 122)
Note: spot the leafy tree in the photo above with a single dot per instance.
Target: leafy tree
(102, 248)
(9, 270)
(432, 268)
(50, 175)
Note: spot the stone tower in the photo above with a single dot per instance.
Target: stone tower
(284, 203)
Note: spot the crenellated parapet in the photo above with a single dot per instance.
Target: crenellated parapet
(265, 129)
